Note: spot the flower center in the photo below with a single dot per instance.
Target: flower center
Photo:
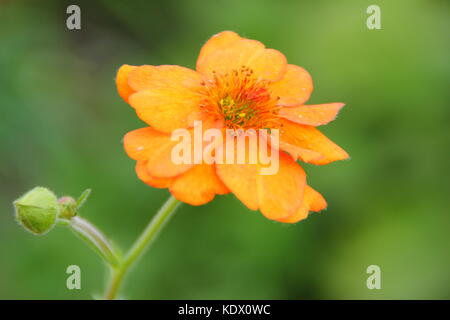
(240, 100)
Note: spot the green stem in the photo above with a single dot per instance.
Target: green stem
(95, 239)
(157, 223)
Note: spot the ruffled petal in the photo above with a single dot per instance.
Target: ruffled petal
(294, 88)
(198, 185)
(122, 81)
(298, 153)
(312, 201)
(148, 77)
(142, 173)
(316, 201)
(216, 43)
(232, 54)
(276, 196)
(308, 137)
(313, 115)
(156, 148)
(242, 180)
(166, 97)
(281, 193)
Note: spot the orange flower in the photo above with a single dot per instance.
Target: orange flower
(238, 84)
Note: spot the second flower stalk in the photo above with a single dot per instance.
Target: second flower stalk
(39, 210)
(120, 264)
(119, 272)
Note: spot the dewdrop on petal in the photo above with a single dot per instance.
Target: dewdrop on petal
(37, 210)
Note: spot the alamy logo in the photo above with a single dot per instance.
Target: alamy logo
(374, 280)
(374, 20)
(232, 146)
(73, 22)
(74, 280)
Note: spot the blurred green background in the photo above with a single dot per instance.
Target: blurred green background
(62, 124)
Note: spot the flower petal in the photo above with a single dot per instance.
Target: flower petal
(294, 88)
(281, 194)
(166, 96)
(313, 115)
(312, 201)
(156, 148)
(242, 180)
(165, 76)
(268, 64)
(316, 201)
(295, 151)
(122, 81)
(308, 137)
(299, 153)
(198, 185)
(277, 196)
(216, 43)
(142, 173)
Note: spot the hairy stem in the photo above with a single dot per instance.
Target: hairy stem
(119, 272)
(95, 239)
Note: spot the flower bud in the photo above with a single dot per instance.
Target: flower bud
(37, 210)
(68, 207)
